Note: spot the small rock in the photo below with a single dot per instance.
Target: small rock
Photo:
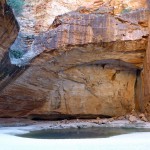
(96, 121)
(111, 119)
(104, 121)
(141, 115)
(65, 121)
(97, 118)
(78, 120)
(132, 118)
(143, 118)
(121, 118)
(127, 117)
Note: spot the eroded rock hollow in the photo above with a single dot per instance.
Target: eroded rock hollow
(85, 63)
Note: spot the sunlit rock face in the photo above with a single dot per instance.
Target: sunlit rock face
(37, 17)
(88, 61)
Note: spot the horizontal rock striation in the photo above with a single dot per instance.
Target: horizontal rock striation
(88, 66)
(120, 35)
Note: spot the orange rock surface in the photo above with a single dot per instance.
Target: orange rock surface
(91, 61)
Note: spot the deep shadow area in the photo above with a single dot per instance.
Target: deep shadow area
(58, 116)
(9, 72)
(81, 133)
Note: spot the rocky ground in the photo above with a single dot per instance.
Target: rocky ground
(123, 121)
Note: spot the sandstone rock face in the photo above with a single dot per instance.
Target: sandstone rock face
(38, 15)
(8, 28)
(84, 90)
(89, 64)
(145, 75)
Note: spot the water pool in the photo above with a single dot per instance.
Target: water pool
(83, 133)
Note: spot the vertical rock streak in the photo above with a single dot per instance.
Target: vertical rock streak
(146, 73)
(86, 66)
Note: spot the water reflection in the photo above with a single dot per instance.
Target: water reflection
(102, 132)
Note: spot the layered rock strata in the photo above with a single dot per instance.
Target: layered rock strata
(89, 62)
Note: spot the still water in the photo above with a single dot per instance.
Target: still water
(101, 132)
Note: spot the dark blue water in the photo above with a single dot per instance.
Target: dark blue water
(102, 132)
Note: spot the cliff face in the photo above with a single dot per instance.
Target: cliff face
(8, 28)
(146, 75)
(89, 61)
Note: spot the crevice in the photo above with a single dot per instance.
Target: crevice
(139, 104)
(113, 62)
(90, 91)
(114, 76)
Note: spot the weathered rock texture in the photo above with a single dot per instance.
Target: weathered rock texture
(90, 64)
(8, 28)
(146, 75)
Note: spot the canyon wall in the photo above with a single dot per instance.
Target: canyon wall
(88, 61)
(146, 74)
(8, 28)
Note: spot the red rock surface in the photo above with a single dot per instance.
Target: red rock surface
(90, 65)
(8, 28)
